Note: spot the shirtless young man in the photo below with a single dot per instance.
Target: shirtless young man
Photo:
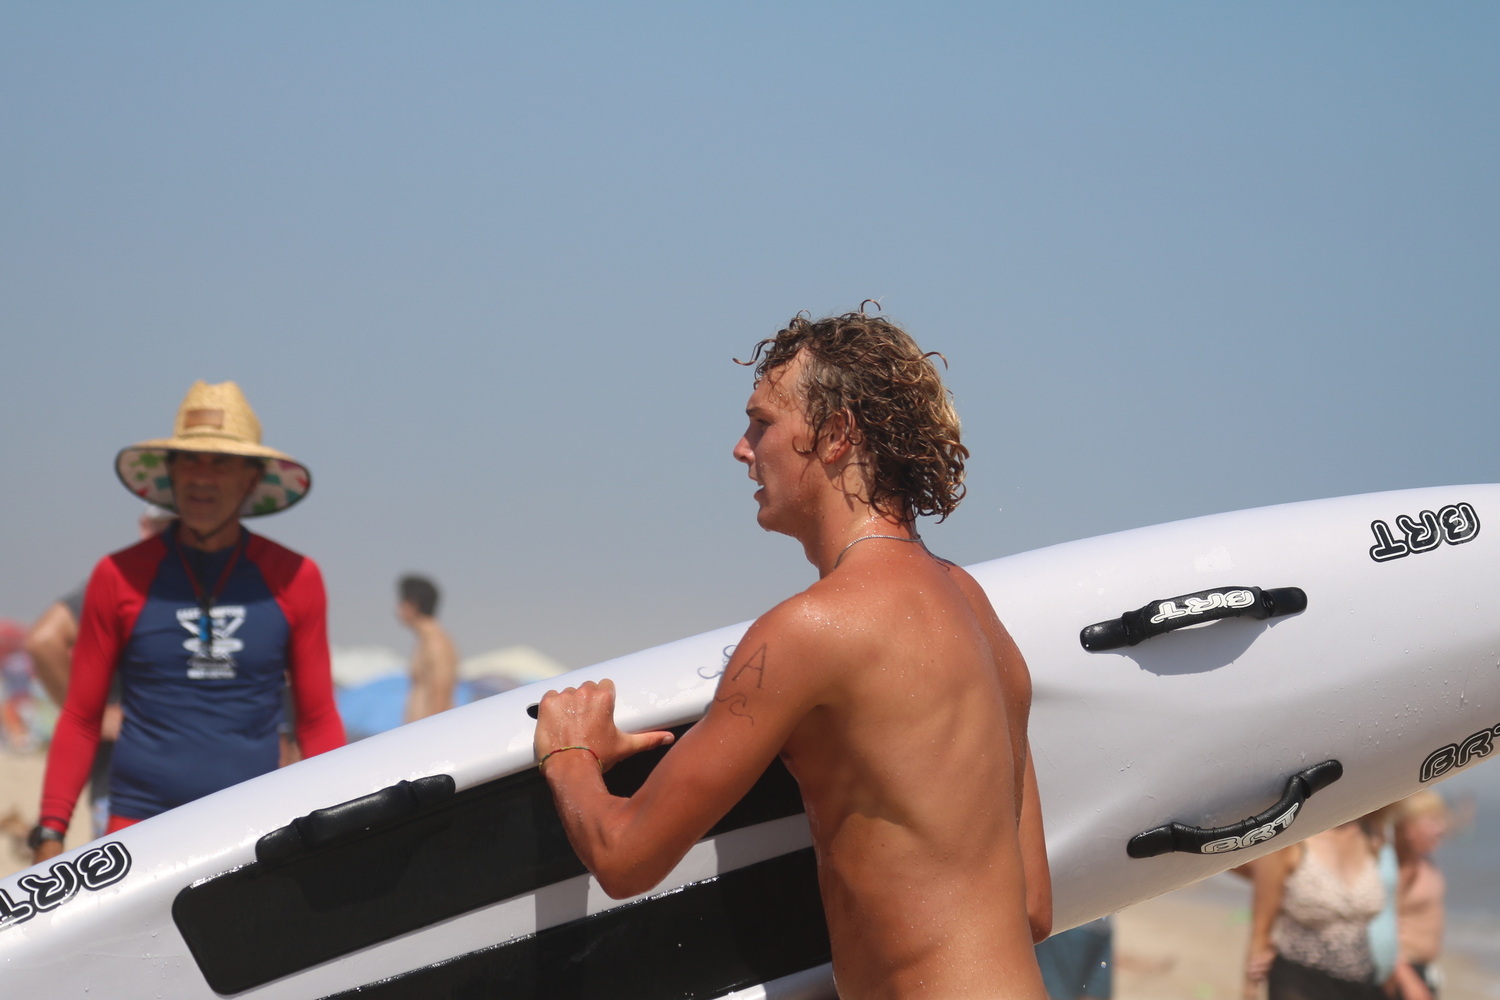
(889, 688)
(434, 660)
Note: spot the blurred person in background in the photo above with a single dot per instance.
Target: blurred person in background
(50, 641)
(1421, 824)
(205, 625)
(434, 660)
(1311, 908)
(17, 697)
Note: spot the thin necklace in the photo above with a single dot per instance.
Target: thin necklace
(865, 538)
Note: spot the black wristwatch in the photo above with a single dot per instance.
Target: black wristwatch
(40, 833)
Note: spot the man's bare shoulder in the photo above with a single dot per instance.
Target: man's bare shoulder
(900, 586)
(434, 643)
(970, 586)
(815, 632)
(1004, 653)
(804, 619)
(837, 606)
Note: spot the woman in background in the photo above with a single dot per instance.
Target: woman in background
(1310, 915)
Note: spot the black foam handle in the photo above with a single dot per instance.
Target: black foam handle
(332, 824)
(1246, 833)
(1159, 617)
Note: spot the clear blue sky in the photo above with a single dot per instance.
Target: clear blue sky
(483, 268)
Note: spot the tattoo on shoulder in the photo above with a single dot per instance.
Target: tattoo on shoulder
(738, 702)
(738, 705)
(726, 654)
(756, 662)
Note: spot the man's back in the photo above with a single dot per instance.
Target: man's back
(912, 772)
(434, 670)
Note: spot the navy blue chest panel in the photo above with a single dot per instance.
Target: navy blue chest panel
(249, 632)
(199, 717)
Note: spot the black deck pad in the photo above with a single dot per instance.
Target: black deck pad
(708, 939)
(493, 842)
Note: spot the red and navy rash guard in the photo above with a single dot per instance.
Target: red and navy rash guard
(196, 720)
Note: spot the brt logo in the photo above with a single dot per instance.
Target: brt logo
(1455, 755)
(1455, 524)
(94, 869)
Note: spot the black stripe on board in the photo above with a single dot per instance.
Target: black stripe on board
(748, 926)
(489, 843)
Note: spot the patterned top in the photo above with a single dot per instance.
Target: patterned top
(1323, 920)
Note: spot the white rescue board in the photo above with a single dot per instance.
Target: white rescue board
(1254, 678)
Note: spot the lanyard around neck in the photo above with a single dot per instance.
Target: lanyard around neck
(206, 598)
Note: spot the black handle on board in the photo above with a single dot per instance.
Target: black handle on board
(1159, 617)
(1246, 833)
(322, 827)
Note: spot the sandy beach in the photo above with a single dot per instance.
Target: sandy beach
(1189, 945)
(20, 791)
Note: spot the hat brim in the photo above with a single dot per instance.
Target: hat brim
(142, 469)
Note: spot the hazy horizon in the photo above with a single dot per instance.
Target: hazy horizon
(485, 269)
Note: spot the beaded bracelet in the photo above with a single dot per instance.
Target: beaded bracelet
(561, 749)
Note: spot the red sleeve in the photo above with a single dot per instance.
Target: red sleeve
(111, 604)
(298, 586)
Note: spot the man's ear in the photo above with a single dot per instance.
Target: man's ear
(839, 438)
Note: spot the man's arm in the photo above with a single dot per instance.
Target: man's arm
(631, 844)
(76, 735)
(310, 667)
(434, 673)
(416, 688)
(442, 672)
(50, 644)
(576, 741)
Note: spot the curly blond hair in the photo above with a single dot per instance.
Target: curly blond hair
(902, 416)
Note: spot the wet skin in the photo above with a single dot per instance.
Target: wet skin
(897, 700)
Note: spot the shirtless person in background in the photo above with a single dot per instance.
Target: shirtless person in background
(889, 688)
(434, 660)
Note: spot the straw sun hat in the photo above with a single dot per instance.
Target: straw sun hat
(215, 419)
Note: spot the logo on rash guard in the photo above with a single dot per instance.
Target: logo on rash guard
(217, 662)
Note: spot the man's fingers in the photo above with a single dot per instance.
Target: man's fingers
(650, 741)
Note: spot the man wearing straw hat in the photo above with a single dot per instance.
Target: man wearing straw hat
(206, 625)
